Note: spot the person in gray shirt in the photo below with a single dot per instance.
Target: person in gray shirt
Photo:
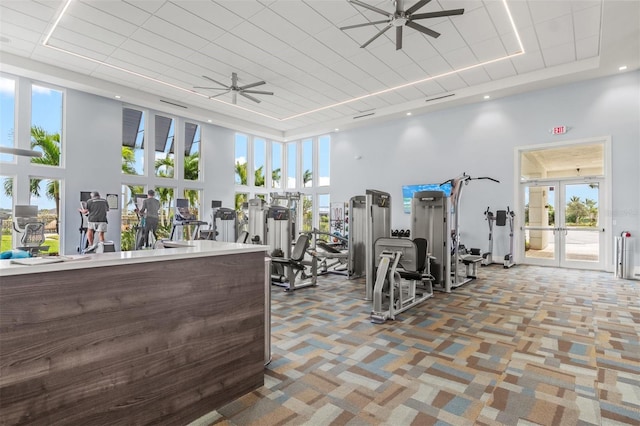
(96, 212)
(149, 210)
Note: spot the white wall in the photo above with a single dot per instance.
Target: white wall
(480, 140)
(92, 157)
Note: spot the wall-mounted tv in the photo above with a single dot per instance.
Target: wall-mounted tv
(408, 190)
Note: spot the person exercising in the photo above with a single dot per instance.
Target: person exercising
(96, 212)
(149, 209)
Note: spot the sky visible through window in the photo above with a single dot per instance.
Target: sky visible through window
(46, 111)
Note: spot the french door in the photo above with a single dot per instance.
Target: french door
(563, 223)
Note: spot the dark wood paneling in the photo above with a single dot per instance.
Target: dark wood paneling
(150, 343)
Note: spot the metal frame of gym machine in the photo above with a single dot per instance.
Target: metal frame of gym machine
(377, 225)
(357, 237)
(281, 232)
(435, 216)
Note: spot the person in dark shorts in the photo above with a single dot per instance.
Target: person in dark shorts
(150, 208)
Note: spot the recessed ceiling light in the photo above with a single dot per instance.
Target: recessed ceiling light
(408, 113)
(622, 68)
(117, 96)
(336, 129)
(487, 97)
(210, 120)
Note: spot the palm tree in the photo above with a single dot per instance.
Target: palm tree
(49, 145)
(275, 177)
(592, 208)
(241, 171)
(306, 177)
(164, 167)
(128, 161)
(259, 177)
(192, 166)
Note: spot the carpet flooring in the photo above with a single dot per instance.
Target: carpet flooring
(521, 346)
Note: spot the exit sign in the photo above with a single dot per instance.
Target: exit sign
(559, 130)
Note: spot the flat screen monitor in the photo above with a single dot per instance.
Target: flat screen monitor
(25, 211)
(85, 195)
(182, 203)
(408, 191)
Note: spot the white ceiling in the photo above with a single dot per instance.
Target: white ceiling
(151, 50)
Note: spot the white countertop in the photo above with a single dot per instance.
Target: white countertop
(197, 248)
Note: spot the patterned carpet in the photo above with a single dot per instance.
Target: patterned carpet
(520, 346)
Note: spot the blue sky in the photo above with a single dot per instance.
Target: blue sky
(46, 112)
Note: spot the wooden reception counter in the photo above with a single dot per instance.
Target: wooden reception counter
(147, 337)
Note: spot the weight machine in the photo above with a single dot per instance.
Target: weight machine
(435, 216)
(289, 269)
(402, 278)
(330, 258)
(357, 241)
(378, 225)
(27, 224)
(257, 221)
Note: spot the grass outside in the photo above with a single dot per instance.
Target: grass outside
(52, 241)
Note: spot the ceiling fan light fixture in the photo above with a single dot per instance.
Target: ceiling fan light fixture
(247, 90)
(402, 18)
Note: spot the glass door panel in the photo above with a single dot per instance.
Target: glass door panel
(540, 236)
(562, 224)
(581, 231)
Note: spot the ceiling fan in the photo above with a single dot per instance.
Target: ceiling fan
(401, 18)
(235, 89)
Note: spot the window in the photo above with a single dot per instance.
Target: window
(323, 212)
(292, 164)
(46, 124)
(307, 212)
(241, 198)
(241, 159)
(130, 221)
(324, 160)
(167, 209)
(133, 141)
(191, 151)
(276, 165)
(194, 196)
(8, 117)
(259, 151)
(307, 163)
(164, 147)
